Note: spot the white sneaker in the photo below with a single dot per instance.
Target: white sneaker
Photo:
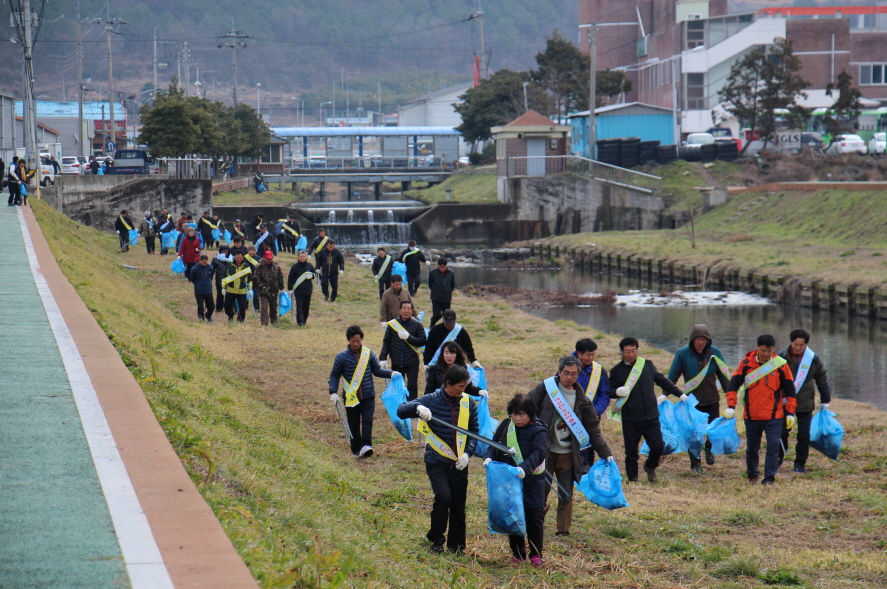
(366, 452)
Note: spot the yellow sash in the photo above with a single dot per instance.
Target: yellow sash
(351, 387)
(235, 276)
(291, 230)
(321, 244)
(251, 260)
(442, 447)
(208, 222)
(238, 231)
(396, 326)
(125, 224)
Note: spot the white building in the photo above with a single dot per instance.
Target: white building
(435, 110)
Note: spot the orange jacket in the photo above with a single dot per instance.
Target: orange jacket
(771, 397)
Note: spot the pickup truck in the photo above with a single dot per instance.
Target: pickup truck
(133, 161)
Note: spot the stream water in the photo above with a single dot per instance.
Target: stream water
(854, 349)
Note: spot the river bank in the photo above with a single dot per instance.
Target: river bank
(251, 403)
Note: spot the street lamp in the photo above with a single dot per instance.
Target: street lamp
(258, 99)
(322, 119)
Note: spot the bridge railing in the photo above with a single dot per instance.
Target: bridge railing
(187, 168)
(580, 166)
(368, 162)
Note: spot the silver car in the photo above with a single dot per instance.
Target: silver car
(878, 144)
(846, 144)
(74, 164)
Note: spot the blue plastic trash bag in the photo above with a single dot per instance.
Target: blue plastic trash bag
(284, 303)
(302, 245)
(672, 434)
(723, 436)
(227, 236)
(826, 434)
(395, 394)
(133, 237)
(23, 190)
(421, 317)
(217, 234)
(486, 425)
(261, 188)
(400, 269)
(478, 377)
(692, 424)
(177, 266)
(168, 240)
(602, 485)
(505, 493)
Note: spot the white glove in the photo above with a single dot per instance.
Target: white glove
(824, 406)
(341, 272)
(610, 458)
(382, 324)
(383, 364)
(487, 461)
(393, 372)
(462, 462)
(425, 367)
(334, 398)
(427, 262)
(403, 334)
(476, 364)
(730, 412)
(660, 399)
(311, 276)
(224, 292)
(622, 391)
(118, 233)
(177, 257)
(683, 397)
(484, 394)
(424, 412)
(520, 473)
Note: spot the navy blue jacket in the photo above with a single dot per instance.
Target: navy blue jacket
(445, 408)
(401, 354)
(202, 277)
(343, 367)
(533, 441)
(601, 397)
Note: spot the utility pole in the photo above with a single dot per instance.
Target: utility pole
(592, 89)
(80, 132)
(187, 60)
(111, 22)
(479, 65)
(29, 111)
(232, 39)
(155, 63)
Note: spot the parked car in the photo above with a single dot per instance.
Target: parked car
(878, 144)
(698, 139)
(47, 172)
(74, 164)
(846, 144)
(131, 161)
(812, 140)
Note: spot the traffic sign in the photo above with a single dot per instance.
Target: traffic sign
(110, 146)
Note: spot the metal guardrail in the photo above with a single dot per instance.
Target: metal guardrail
(187, 169)
(312, 163)
(581, 166)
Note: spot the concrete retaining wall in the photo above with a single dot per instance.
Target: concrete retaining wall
(464, 224)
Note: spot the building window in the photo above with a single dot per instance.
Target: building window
(872, 74)
(696, 92)
(695, 33)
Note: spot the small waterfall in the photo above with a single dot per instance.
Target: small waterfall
(350, 216)
(370, 216)
(332, 217)
(390, 216)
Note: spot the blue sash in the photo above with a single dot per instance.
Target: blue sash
(567, 414)
(454, 333)
(261, 239)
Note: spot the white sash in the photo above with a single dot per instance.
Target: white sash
(567, 414)
(261, 239)
(806, 362)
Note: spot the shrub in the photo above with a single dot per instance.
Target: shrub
(738, 566)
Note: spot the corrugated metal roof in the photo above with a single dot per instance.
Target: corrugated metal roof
(91, 110)
(611, 107)
(365, 131)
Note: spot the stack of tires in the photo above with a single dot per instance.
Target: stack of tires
(649, 152)
(609, 151)
(708, 152)
(728, 151)
(690, 154)
(631, 152)
(667, 153)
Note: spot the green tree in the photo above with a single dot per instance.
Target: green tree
(167, 125)
(765, 79)
(498, 100)
(255, 133)
(846, 108)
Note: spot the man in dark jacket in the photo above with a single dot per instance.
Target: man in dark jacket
(594, 381)
(389, 306)
(637, 406)
(205, 226)
(237, 245)
(291, 232)
(331, 264)
(167, 225)
(403, 340)
(689, 362)
(318, 244)
(357, 365)
(448, 331)
(446, 455)
(382, 266)
(265, 242)
(202, 277)
(256, 226)
(268, 282)
(413, 259)
(300, 282)
(123, 225)
(441, 283)
(809, 373)
(573, 425)
(220, 265)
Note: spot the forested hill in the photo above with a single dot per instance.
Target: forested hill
(294, 46)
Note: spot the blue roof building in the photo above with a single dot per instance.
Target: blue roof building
(633, 119)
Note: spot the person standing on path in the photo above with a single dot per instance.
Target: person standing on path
(300, 281)
(637, 407)
(190, 250)
(767, 388)
(268, 282)
(220, 265)
(413, 259)
(446, 455)
(205, 226)
(265, 241)
(573, 426)
(441, 285)
(291, 230)
(403, 341)
(382, 266)
(202, 277)
(389, 306)
(239, 231)
(448, 331)
(256, 226)
(123, 225)
(705, 376)
(809, 373)
(594, 381)
(524, 432)
(252, 259)
(331, 264)
(148, 230)
(166, 226)
(14, 183)
(351, 366)
(318, 244)
(237, 277)
(180, 223)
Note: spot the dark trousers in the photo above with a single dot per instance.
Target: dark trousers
(754, 429)
(205, 302)
(632, 432)
(802, 446)
(303, 305)
(149, 244)
(450, 487)
(281, 244)
(333, 281)
(360, 422)
(124, 245)
(220, 298)
(14, 193)
(235, 303)
(165, 250)
(208, 241)
(411, 377)
(188, 266)
(713, 412)
(535, 534)
(561, 466)
(438, 309)
(384, 285)
(413, 281)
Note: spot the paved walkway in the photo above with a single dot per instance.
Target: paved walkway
(91, 493)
